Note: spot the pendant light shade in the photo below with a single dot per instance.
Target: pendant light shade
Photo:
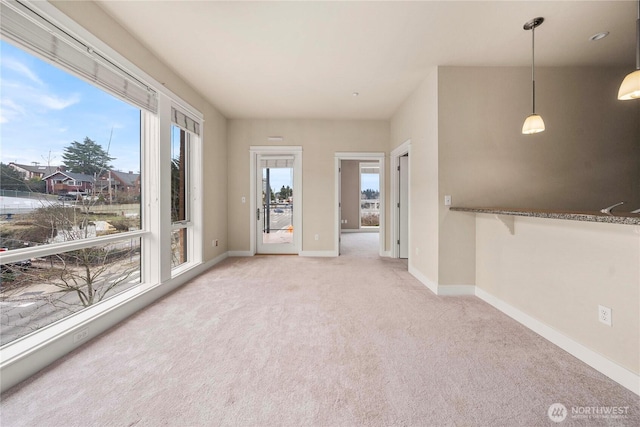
(630, 87)
(533, 123)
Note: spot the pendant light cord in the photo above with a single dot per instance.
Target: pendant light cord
(533, 67)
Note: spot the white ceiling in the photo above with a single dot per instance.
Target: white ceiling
(305, 59)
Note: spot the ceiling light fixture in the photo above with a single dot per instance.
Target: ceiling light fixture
(599, 36)
(630, 87)
(355, 94)
(533, 123)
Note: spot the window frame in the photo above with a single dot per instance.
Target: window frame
(154, 234)
(193, 199)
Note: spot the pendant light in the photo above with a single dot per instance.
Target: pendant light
(533, 123)
(630, 87)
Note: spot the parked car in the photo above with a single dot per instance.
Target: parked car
(69, 197)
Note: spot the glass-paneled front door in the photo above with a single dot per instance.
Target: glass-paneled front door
(276, 208)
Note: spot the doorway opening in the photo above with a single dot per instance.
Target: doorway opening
(369, 197)
(359, 202)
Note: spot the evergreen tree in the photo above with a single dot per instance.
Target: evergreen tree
(11, 179)
(285, 192)
(86, 157)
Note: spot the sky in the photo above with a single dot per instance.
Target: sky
(44, 109)
(369, 181)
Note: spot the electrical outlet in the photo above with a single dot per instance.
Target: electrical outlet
(447, 200)
(317, 237)
(604, 315)
(215, 242)
(81, 335)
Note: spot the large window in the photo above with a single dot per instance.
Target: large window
(86, 142)
(78, 139)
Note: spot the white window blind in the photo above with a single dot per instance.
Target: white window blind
(26, 28)
(185, 122)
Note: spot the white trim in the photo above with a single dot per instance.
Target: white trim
(619, 374)
(318, 253)
(240, 253)
(401, 150)
(252, 201)
(366, 157)
(432, 286)
(276, 149)
(442, 290)
(456, 290)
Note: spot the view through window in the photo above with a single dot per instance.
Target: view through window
(180, 218)
(369, 195)
(70, 171)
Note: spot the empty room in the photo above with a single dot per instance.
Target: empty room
(319, 213)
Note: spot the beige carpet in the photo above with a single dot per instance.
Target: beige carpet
(292, 341)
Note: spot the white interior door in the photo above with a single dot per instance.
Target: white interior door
(277, 213)
(403, 207)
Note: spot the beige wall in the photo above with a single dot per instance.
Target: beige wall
(214, 144)
(559, 271)
(417, 120)
(320, 140)
(588, 157)
(350, 194)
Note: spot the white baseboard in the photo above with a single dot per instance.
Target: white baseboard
(442, 290)
(386, 254)
(207, 265)
(318, 253)
(456, 290)
(433, 287)
(239, 253)
(619, 374)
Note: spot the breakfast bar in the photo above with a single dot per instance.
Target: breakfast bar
(555, 270)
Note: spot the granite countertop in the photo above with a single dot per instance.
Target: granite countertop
(595, 216)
